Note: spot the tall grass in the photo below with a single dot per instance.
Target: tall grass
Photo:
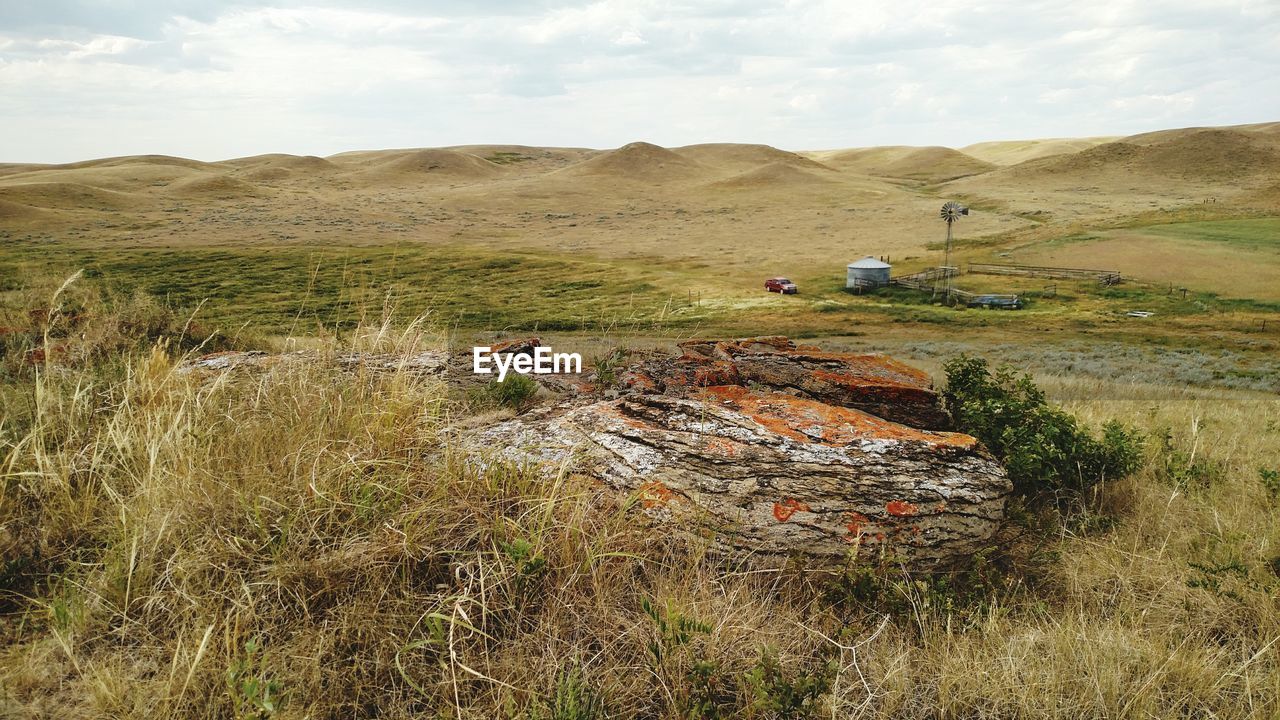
(309, 542)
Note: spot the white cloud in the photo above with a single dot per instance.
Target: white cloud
(214, 80)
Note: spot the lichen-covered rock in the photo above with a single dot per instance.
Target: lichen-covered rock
(767, 446)
(871, 382)
(778, 475)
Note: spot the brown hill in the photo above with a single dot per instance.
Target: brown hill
(136, 160)
(1267, 198)
(740, 156)
(18, 168)
(1215, 153)
(1012, 152)
(524, 158)
(1260, 130)
(426, 164)
(215, 187)
(68, 196)
(932, 164)
(639, 161)
(774, 176)
(20, 212)
(265, 174)
(304, 163)
(125, 177)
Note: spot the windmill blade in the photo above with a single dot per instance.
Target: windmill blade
(951, 211)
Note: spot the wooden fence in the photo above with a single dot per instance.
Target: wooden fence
(925, 279)
(1104, 277)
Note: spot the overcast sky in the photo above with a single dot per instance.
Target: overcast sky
(210, 79)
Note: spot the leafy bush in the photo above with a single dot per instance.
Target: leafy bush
(516, 391)
(1044, 449)
(777, 693)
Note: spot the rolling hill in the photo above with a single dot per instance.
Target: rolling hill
(930, 164)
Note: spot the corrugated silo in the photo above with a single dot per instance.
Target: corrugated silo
(867, 273)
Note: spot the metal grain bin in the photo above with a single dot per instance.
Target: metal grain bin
(867, 273)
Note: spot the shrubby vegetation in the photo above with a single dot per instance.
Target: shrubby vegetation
(1045, 450)
(514, 392)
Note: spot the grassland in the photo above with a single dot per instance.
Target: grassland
(1239, 257)
(302, 545)
(1249, 234)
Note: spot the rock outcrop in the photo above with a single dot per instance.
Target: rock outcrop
(871, 382)
(781, 450)
(769, 448)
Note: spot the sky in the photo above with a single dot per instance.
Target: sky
(211, 80)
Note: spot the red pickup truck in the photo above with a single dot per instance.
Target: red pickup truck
(780, 285)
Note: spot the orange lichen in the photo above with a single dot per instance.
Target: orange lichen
(653, 494)
(901, 508)
(798, 418)
(785, 509)
(639, 381)
(853, 523)
(722, 446)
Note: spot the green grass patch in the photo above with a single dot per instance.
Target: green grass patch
(294, 288)
(1251, 233)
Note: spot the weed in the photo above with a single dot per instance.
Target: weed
(529, 566)
(516, 392)
(1186, 469)
(778, 693)
(705, 693)
(607, 365)
(1270, 480)
(254, 694)
(675, 630)
(573, 699)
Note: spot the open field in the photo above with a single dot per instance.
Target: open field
(1241, 257)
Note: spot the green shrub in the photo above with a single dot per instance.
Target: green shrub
(607, 365)
(1044, 449)
(254, 695)
(777, 693)
(1270, 480)
(516, 391)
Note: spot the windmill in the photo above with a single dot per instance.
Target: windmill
(951, 212)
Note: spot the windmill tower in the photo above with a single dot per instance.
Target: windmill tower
(951, 212)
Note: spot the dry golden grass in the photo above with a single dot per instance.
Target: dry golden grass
(1012, 152)
(311, 543)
